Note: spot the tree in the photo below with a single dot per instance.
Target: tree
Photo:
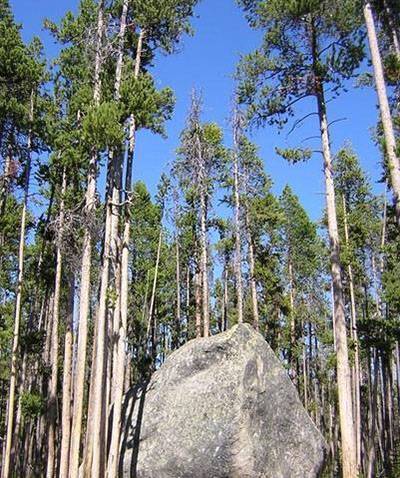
(289, 71)
(387, 124)
(196, 166)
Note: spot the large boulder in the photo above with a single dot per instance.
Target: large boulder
(221, 407)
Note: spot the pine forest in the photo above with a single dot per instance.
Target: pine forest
(108, 268)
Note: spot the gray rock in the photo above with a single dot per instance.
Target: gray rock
(221, 407)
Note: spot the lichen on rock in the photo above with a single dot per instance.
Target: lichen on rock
(220, 407)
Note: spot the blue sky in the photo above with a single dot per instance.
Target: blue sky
(207, 61)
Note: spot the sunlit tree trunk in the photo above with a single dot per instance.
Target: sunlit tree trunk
(387, 123)
(98, 397)
(197, 301)
(204, 263)
(67, 383)
(6, 468)
(354, 336)
(236, 194)
(151, 321)
(349, 445)
(52, 402)
(252, 278)
(394, 29)
(119, 359)
(84, 295)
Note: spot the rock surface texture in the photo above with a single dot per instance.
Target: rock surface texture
(221, 407)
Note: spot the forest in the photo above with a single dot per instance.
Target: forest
(102, 277)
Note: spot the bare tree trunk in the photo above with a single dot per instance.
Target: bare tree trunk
(349, 445)
(150, 324)
(253, 283)
(238, 251)
(119, 369)
(354, 335)
(394, 29)
(187, 311)
(84, 296)
(293, 337)
(52, 403)
(372, 424)
(178, 292)
(5, 183)
(6, 468)
(97, 441)
(18, 419)
(204, 264)
(67, 384)
(397, 360)
(305, 374)
(387, 123)
(197, 300)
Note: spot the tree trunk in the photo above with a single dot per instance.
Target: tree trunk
(6, 468)
(119, 369)
(349, 446)
(238, 251)
(394, 29)
(204, 263)
(5, 182)
(52, 403)
(197, 300)
(292, 361)
(67, 383)
(150, 324)
(99, 398)
(252, 278)
(354, 336)
(387, 123)
(84, 296)
(176, 333)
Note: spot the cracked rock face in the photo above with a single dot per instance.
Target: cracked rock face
(221, 407)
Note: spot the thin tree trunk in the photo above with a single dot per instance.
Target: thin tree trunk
(178, 293)
(197, 300)
(349, 445)
(354, 335)
(52, 403)
(292, 322)
(96, 450)
(238, 251)
(84, 296)
(253, 283)
(204, 264)
(187, 311)
(5, 183)
(67, 384)
(305, 375)
(18, 308)
(394, 29)
(387, 123)
(124, 288)
(372, 426)
(150, 324)
(18, 419)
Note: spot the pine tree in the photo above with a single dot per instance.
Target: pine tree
(197, 167)
(299, 70)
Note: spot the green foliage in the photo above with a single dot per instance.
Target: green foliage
(101, 127)
(306, 44)
(150, 107)
(32, 404)
(295, 155)
(353, 192)
(164, 21)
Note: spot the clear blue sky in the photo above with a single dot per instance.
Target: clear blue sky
(207, 61)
